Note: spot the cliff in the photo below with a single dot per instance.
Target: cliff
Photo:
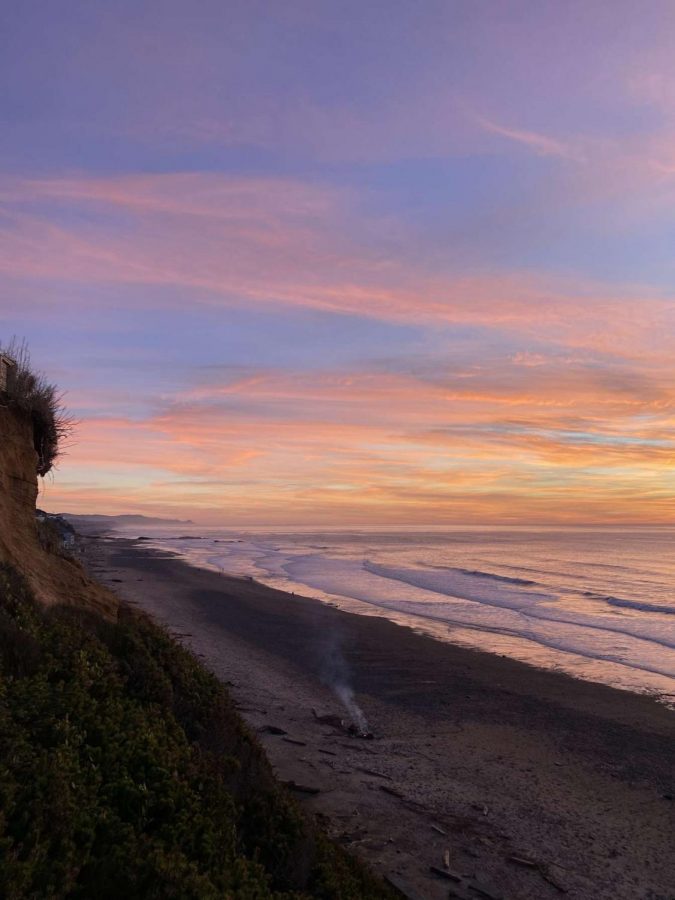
(125, 769)
(53, 578)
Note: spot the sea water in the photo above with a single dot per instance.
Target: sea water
(598, 603)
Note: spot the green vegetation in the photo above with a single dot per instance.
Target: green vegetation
(31, 392)
(126, 772)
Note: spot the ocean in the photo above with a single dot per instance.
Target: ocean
(597, 603)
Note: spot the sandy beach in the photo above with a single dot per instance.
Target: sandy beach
(519, 783)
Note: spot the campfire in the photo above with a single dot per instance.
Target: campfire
(351, 728)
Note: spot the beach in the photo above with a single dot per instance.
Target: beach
(518, 782)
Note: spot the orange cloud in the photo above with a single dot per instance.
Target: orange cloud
(359, 446)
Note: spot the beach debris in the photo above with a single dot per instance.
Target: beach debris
(541, 867)
(392, 791)
(446, 873)
(272, 729)
(290, 740)
(438, 830)
(446, 859)
(375, 774)
(523, 861)
(327, 752)
(301, 788)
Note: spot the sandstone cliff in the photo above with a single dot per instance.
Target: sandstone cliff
(53, 578)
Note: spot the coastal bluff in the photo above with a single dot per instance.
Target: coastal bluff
(53, 577)
(126, 769)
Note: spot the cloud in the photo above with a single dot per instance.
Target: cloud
(540, 144)
(266, 242)
(273, 445)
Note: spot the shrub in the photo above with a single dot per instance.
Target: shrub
(125, 771)
(31, 392)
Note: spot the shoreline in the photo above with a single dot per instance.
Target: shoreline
(543, 655)
(484, 757)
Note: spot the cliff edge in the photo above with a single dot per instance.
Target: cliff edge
(54, 578)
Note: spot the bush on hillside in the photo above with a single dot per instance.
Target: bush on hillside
(125, 771)
(31, 392)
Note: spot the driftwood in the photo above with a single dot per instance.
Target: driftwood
(551, 880)
(541, 867)
(524, 861)
(327, 752)
(392, 791)
(446, 873)
(290, 740)
(375, 774)
(439, 830)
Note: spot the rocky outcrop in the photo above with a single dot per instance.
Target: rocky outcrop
(53, 577)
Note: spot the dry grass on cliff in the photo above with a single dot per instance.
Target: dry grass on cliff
(31, 392)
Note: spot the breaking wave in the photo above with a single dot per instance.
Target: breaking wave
(556, 601)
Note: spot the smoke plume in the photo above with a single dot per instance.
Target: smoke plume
(336, 676)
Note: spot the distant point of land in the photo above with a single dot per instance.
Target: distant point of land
(88, 522)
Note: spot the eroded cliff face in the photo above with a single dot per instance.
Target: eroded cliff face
(54, 579)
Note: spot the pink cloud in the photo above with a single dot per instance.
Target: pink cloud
(267, 242)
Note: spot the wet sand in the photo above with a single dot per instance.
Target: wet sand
(529, 783)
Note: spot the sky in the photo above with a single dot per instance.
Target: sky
(335, 263)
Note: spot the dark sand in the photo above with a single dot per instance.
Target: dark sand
(476, 758)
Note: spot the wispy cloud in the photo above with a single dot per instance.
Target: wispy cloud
(251, 241)
(541, 144)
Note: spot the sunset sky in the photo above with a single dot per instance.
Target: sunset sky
(347, 262)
